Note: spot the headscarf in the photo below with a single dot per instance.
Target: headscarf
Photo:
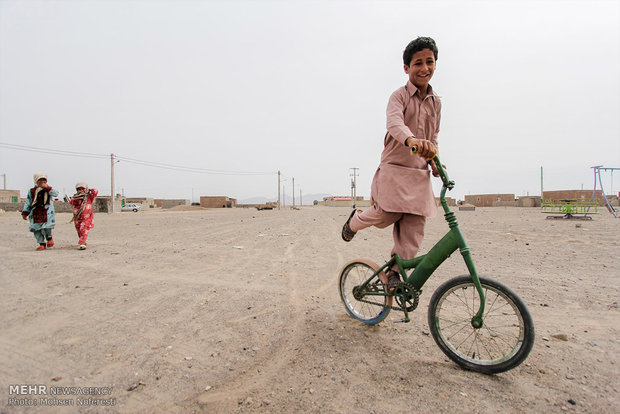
(35, 196)
(38, 176)
(82, 197)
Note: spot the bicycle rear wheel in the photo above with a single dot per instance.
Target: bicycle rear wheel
(370, 309)
(507, 333)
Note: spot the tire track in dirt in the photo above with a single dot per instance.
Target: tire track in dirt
(268, 368)
(331, 274)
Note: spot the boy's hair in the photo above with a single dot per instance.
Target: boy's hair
(418, 44)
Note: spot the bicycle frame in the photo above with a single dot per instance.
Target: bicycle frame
(425, 265)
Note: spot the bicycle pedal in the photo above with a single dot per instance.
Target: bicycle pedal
(403, 320)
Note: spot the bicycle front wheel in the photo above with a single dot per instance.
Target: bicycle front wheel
(507, 333)
(366, 304)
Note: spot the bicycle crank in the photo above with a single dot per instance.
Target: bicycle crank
(407, 297)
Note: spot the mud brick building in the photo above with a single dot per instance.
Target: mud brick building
(217, 202)
(488, 200)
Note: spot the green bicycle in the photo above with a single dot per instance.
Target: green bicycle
(478, 322)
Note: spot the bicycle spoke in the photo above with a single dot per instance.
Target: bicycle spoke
(484, 345)
(466, 338)
(489, 306)
(473, 342)
(501, 338)
(355, 290)
(505, 337)
(500, 307)
(463, 300)
(453, 323)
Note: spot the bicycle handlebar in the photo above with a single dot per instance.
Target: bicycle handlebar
(442, 172)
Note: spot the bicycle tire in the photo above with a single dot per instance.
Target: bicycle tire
(506, 337)
(354, 274)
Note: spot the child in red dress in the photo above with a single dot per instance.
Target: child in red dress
(82, 203)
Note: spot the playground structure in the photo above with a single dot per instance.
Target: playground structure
(597, 173)
(570, 208)
(581, 209)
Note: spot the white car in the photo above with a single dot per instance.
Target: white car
(131, 207)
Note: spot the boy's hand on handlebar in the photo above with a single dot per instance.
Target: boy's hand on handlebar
(435, 169)
(425, 148)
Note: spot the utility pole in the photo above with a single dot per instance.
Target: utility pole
(293, 191)
(354, 185)
(300, 202)
(4, 175)
(112, 182)
(352, 199)
(283, 196)
(278, 189)
(541, 183)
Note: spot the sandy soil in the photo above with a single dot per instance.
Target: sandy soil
(237, 310)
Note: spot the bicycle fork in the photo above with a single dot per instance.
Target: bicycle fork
(476, 321)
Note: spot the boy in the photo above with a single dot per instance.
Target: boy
(401, 192)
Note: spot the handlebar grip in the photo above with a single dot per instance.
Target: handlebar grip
(414, 151)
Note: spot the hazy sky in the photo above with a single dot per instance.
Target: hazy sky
(301, 87)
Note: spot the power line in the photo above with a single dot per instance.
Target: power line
(190, 169)
(133, 161)
(52, 151)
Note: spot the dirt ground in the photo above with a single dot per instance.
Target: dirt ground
(237, 310)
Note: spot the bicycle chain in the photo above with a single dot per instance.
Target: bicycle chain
(409, 286)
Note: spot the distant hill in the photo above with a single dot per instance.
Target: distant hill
(308, 199)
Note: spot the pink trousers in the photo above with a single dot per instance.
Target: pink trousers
(82, 231)
(408, 231)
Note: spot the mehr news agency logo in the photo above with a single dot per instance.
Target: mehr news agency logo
(42, 395)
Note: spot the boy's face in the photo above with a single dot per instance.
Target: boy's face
(41, 182)
(421, 68)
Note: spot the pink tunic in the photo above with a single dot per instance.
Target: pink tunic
(402, 182)
(85, 221)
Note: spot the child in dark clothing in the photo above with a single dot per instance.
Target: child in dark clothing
(39, 210)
